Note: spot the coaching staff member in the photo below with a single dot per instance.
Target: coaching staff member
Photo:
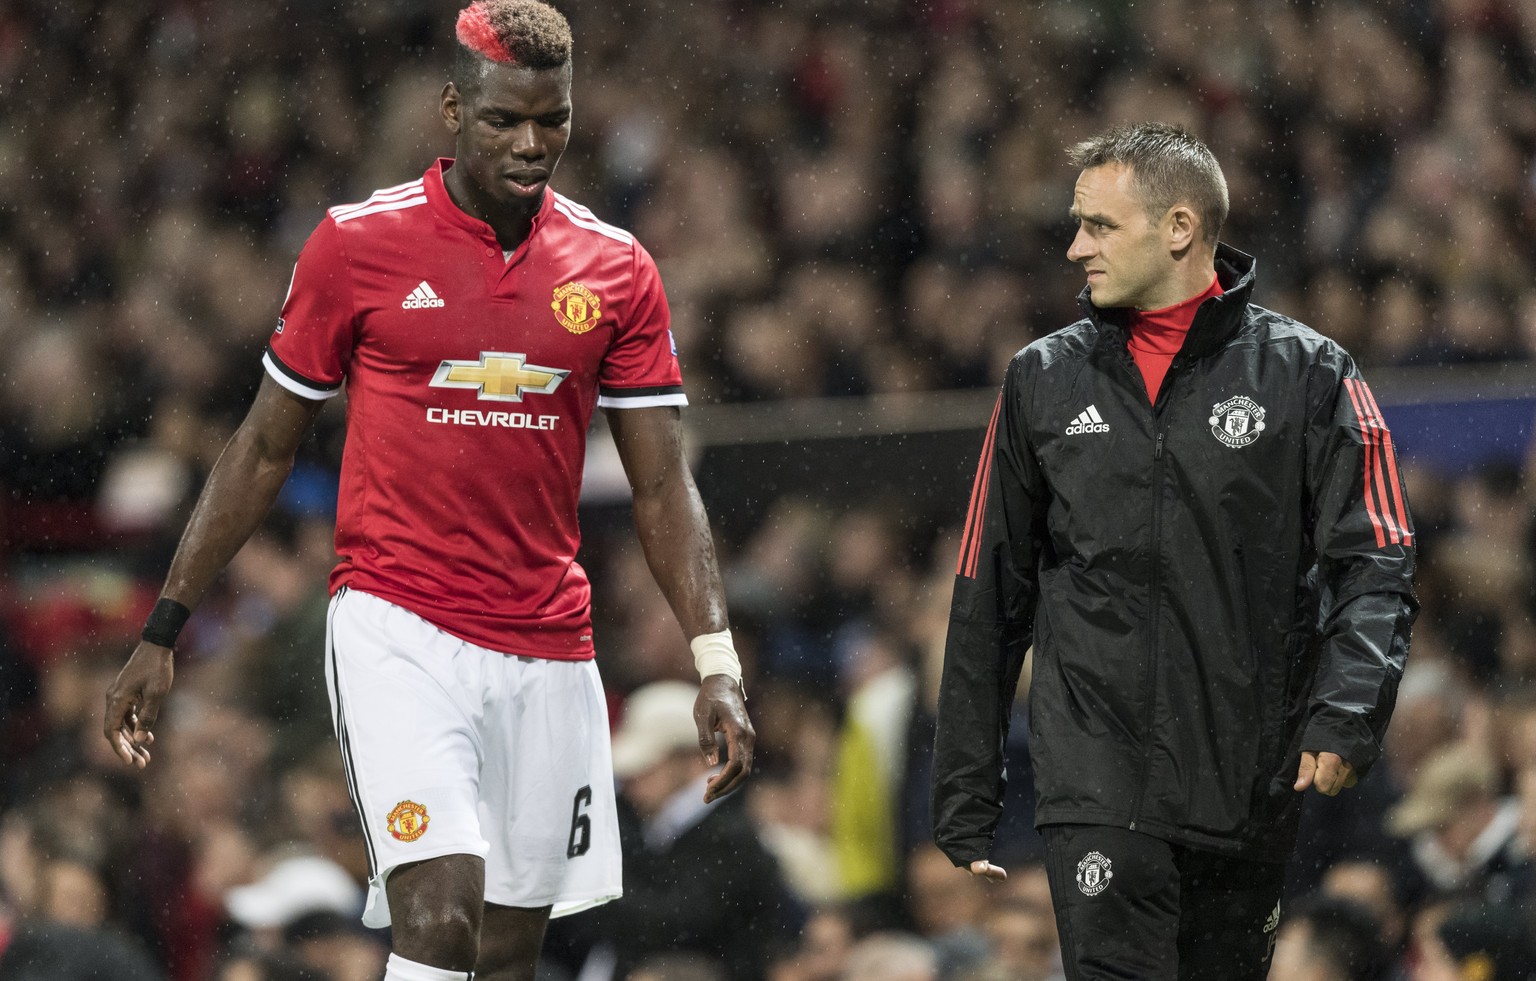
(476, 318)
(1190, 507)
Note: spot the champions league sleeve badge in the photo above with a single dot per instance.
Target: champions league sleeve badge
(1237, 421)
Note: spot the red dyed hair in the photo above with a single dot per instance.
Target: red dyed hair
(475, 32)
(526, 33)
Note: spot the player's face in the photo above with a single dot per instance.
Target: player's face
(510, 130)
(1124, 252)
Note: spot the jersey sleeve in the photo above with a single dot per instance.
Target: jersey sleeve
(991, 622)
(640, 369)
(1365, 547)
(309, 351)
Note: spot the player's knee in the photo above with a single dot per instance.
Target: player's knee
(441, 934)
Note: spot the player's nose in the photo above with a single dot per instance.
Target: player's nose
(1081, 247)
(528, 142)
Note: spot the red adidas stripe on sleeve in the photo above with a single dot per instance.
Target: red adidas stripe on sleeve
(1399, 514)
(970, 542)
(1383, 493)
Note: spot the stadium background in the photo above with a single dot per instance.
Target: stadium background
(859, 212)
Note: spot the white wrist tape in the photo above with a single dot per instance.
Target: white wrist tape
(715, 654)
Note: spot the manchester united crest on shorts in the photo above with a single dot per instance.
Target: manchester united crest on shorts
(576, 307)
(1093, 874)
(1237, 421)
(408, 821)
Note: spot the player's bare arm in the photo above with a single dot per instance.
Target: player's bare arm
(238, 495)
(674, 533)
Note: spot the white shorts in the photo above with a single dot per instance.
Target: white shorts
(452, 749)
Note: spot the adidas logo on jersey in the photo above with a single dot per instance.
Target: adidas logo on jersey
(1088, 421)
(422, 296)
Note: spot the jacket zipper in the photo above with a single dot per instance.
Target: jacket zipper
(1154, 608)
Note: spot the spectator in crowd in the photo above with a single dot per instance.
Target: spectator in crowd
(1489, 943)
(1462, 829)
(696, 875)
(826, 941)
(290, 888)
(336, 946)
(891, 957)
(1330, 939)
(678, 967)
(1021, 941)
(43, 951)
(1374, 885)
(254, 966)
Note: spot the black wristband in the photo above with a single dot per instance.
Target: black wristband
(165, 622)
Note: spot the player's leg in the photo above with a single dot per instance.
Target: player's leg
(1230, 916)
(1116, 894)
(510, 941)
(407, 700)
(547, 806)
(436, 910)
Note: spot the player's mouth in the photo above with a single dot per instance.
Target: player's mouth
(527, 183)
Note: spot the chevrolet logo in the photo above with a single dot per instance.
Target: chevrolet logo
(499, 377)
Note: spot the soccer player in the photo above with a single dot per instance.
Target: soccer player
(1190, 507)
(475, 318)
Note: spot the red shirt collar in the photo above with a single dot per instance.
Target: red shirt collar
(1165, 328)
(442, 202)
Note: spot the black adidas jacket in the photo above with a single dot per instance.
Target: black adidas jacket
(1211, 584)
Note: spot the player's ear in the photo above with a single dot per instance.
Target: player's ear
(1182, 227)
(451, 106)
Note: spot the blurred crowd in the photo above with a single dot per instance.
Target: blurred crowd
(845, 198)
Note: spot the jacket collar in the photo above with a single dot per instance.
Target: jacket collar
(1216, 322)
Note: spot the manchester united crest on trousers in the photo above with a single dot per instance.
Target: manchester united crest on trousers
(1093, 874)
(408, 821)
(1237, 421)
(576, 307)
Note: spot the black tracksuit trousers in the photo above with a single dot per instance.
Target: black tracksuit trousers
(1131, 907)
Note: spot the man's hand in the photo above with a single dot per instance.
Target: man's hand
(133, 702)
(1328, 772)
(985, 869)
(721, 708)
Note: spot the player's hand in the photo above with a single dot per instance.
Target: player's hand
(986, 870)
(720, 707)
(1329, 773)
(133, 702)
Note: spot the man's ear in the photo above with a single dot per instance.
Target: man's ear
(1182, 227)
(450, 106)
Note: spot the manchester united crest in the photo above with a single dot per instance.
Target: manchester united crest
(1093, 874)
(408, 821)
(576, 307)
(1237, 421)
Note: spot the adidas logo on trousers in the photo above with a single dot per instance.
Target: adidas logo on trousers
(1088, 421)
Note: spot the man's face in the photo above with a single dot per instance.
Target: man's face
(511, 128)
(649, 790)
(1124, 252)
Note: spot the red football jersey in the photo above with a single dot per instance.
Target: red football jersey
(471, 379)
